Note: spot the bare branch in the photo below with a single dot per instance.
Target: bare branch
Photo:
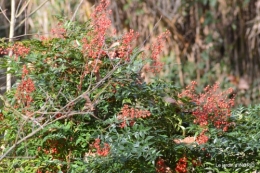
(154, 27)
(36, 131)
(18, 6)
(3, 11)
(9, 107)
(74, 15)
(22, 9)
(30, 14)
(23, 35)
(11, 35)
(65, 114)
(20, 141)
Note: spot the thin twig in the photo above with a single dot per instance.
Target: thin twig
(24, 35)
(9, 107)
(50, 121)
(74, 15)
(3, 11)
(18, 6)
(22, 9)
(155, 26)
(20, 141)
(30, 14)
(20, 157)
(35, 132)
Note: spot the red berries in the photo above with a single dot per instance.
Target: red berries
(101, 151)
(212, 106)
(181, 166)
(131, 114)
(202, 138)
(160, 166)
(25, 88)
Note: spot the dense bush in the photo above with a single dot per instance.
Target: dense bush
(80, 105)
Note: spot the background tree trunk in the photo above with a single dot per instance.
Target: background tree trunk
(11, 35)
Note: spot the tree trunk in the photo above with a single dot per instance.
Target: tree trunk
(11, 35)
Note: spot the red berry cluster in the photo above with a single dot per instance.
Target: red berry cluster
(18, 50)
(1, 116)
(52, 148)
(202, 138)
(95, 40)
(181, 166)
(38, 171)
(213, 106)
(3, 51)
(57, 32)
(25, 88)
(101, 151)
(160, 166)
(131, 113)
(125, 48)
(157, 48)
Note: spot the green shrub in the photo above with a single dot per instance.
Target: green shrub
(80, 104)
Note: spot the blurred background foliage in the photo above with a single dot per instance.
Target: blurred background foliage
(211, 40)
